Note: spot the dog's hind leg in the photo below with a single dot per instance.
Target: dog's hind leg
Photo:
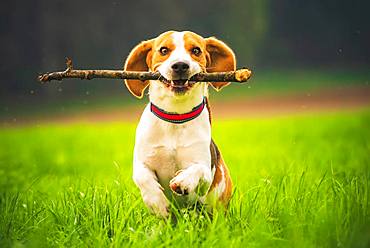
(220, 192)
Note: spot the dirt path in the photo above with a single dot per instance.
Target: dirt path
(337, 99)
(324, 100)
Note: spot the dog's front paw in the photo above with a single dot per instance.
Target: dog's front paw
(178, 185)
(158, 204)
(188, 181)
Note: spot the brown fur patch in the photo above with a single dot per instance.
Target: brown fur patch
(218, 162)
(164, 40)
(215, 154)
(209, 111)
(191, 41)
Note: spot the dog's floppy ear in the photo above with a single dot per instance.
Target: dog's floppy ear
(138, 60)
(221, 58)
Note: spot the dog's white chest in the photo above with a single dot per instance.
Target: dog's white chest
(166, 148)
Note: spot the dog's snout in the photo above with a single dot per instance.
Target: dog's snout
(180, 67)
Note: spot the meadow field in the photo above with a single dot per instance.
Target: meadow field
(296, 136)
(300, 181)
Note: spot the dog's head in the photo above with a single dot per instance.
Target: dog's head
(178, 56)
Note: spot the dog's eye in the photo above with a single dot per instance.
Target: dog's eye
(164, 50)
(196, 51)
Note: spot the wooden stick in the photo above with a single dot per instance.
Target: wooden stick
(240, 76)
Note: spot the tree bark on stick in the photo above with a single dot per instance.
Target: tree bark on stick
(240, 76)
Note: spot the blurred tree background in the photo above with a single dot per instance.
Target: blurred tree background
(37, 35)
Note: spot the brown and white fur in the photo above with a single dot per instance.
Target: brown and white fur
(178, 162)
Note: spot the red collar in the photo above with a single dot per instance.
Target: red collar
(177, 118)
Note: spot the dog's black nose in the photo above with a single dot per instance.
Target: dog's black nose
(180, 67)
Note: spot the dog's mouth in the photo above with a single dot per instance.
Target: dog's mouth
(179, 85)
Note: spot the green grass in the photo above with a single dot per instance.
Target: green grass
(301, 181)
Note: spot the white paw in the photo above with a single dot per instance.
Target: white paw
(157, 203)
(187, 182)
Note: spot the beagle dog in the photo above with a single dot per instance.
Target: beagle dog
(175, 158)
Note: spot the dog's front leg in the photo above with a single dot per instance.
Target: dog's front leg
(196, 178)
(151, 190)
